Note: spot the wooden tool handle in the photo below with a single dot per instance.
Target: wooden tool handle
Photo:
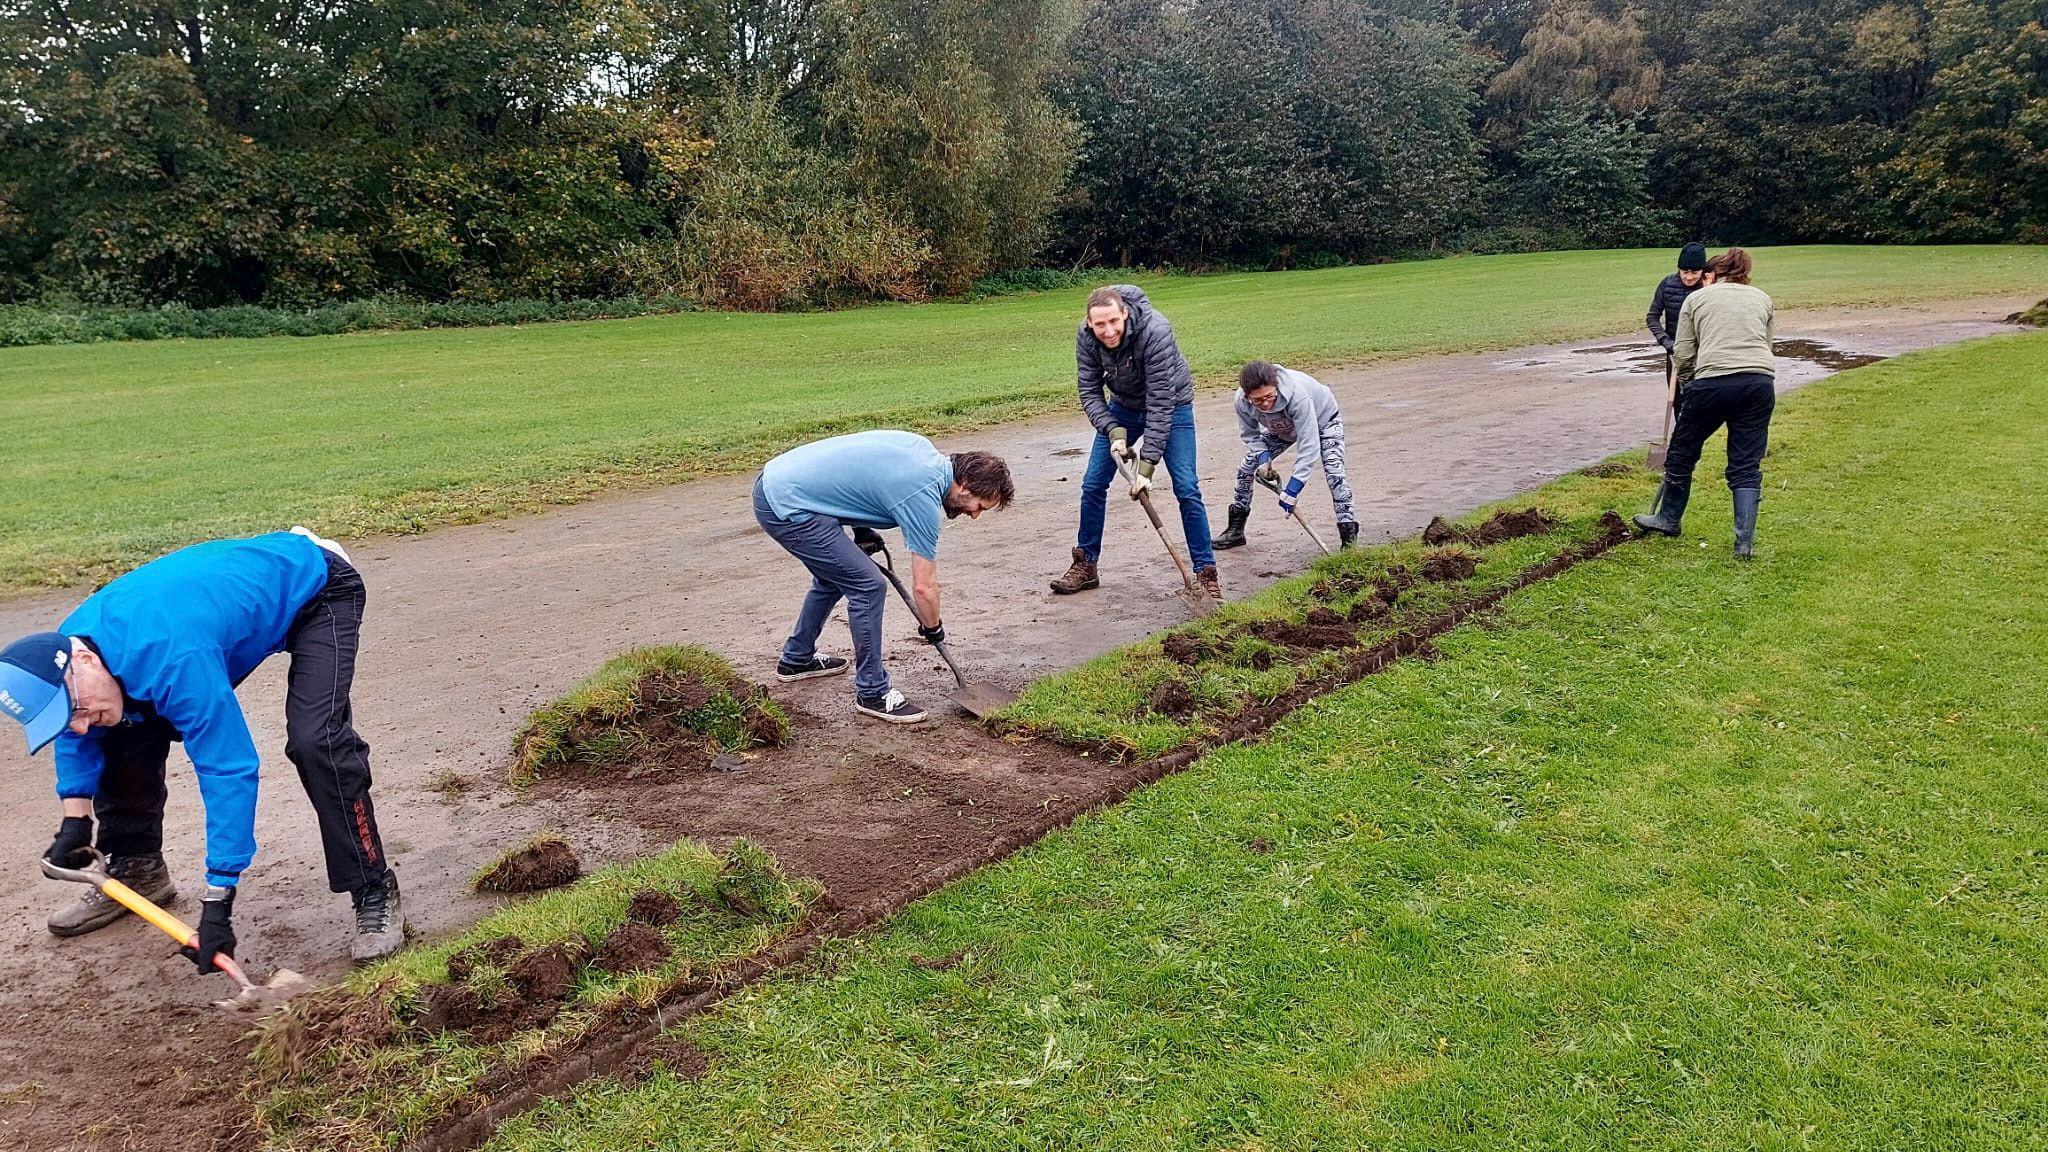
(169, 925)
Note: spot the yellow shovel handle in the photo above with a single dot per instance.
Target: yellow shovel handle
(139, 904)
(166, 923)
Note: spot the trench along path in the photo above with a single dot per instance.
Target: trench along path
(108, 1041)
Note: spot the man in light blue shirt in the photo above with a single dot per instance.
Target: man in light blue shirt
(807, 498)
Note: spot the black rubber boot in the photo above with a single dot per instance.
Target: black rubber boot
(1233, 536)
(1347, 535)
(1746, 500)
(1670, 511)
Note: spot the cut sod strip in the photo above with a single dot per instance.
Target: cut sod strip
(1672, 853)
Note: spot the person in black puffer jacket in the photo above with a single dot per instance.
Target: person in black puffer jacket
(1670, 296)
(1135, 388)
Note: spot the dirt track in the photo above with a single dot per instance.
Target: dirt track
(471, 627)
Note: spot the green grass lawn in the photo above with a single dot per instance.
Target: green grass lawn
(1674, 853)
(125, 451)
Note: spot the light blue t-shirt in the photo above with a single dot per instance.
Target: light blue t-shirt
(879, 479)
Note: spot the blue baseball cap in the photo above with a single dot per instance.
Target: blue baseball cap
(32, 688)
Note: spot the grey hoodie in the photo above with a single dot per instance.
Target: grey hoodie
(1145, 372)
(1306, 413)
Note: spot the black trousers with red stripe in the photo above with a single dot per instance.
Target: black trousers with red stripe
(320, 740)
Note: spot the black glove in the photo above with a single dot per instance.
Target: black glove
(936, 634)
(868, 540)
(1668, 343)
(74, 836)
(216, 930)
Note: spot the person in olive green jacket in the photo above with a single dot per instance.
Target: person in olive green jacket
(1726, 370)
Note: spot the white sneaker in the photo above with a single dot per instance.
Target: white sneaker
(891, 707)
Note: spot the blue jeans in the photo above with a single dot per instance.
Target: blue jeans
(838, 568)
(1180, 465)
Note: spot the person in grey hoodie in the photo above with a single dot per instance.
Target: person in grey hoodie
(1277, 408)
(1135, 386)
(1728, 367)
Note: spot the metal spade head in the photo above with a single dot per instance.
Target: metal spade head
(978, 700)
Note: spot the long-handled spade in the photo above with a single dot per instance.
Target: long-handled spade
(248, 997)
(1655, 460)
(975, 698)
(1274, 486)
(1190, 593)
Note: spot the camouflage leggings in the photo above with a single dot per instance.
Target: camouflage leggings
(1333, 470)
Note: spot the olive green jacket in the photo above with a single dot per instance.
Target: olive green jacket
(1724, 329)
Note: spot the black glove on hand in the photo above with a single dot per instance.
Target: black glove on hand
(1669, 344)
(216, 932)
(74, 836)
(936, 634)
(868, 540)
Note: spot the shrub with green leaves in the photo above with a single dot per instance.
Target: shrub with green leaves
(649, 709)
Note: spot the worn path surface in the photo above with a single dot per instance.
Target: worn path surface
(469, 628)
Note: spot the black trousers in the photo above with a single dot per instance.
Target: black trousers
(1744, 402)
(320, 740)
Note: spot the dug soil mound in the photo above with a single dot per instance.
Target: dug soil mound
(1508, 524)
(654, 907)
(1182, 648)
(1449, 565)
(547, 973)
(1173, 699)
(631, 947)
(547, 862)
(497, 952)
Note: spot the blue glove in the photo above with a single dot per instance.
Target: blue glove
(1289, 495)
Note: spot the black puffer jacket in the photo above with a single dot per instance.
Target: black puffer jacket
(1664, 305)
(1145, 372)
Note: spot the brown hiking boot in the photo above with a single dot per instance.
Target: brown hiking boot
(1211, 582)
(96, 910)
(1079, 578)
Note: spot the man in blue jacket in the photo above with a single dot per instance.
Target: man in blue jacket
(153, 658)
(807, 498)
(1134, 386)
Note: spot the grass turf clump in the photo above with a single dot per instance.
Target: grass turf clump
(539, 864)
(650, 709)
(403, 1042)
(2035, 317)
(752, 885)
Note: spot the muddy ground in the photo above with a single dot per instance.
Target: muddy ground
(107, 1041)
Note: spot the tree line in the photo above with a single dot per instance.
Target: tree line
(785, 153)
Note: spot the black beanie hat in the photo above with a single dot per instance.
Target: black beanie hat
(1693, 257)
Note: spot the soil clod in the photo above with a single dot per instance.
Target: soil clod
(1173, 699)
(1507, 524)
(449, 1008)
(546, 974)
(1303, 636)
(654, 907)
(1449, 564)
(1321, 617)
(543, 863)
(496, 952)
(939, 963)
(1183, 648)
(631, 947)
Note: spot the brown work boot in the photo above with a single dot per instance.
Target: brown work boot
(1211, 582)
(1079, 578)
(96, 910)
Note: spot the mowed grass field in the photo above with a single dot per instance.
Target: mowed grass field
(1674, 853)
(119, 452)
